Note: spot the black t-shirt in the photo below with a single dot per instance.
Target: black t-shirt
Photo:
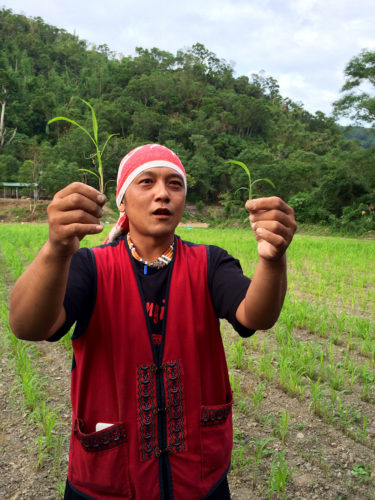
(226, 281)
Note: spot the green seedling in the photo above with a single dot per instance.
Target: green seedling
(236, 355)
(281, 428)
(99, 152)
(240, 454)
(280, 476)
(248, 173)
(257, 398)
(362, 472)
(261, 452)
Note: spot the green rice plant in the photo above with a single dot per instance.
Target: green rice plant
(60, 488)
(317, 392)
(95, 140)
(248, 173)
(365, 374)
(66, 341)
(366, 392)
(265, 369)
(47, 421)
(241, 458)
(42, 453)
(257, 398)
(335, 377)
(236, 354)
(281, 428)
(280, 476)
(261, 452)
(29, 383)
(236, 387)
(290, 379)
(365, 422)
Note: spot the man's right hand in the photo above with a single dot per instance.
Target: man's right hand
(74, 212)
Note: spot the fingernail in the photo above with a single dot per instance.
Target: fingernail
(102, 198)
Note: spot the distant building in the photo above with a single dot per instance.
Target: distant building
(12, 189)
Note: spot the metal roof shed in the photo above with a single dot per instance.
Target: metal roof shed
(17, 185)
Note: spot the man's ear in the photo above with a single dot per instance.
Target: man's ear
(122, 205)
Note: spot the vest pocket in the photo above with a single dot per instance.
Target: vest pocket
(99, 460)
(217, 437)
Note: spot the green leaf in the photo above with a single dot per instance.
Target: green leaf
(63, 118)
(241, 164)
(94, 122)
(265, 180)
(89, 171)
(106, 142)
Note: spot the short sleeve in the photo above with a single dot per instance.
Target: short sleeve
(80, 295)
(228, 286)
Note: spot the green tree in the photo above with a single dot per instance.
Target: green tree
(358, 103)
(57, 176)
(9, 166)
(28, 172)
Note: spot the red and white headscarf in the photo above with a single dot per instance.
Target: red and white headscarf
(135, 162)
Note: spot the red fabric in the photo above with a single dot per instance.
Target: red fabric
(114, 381)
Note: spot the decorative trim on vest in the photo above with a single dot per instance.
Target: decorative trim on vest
(148, 410)
(100, 441)
(215, 415)
(175, 407)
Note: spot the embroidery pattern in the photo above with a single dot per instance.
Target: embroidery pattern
(146, 411)
(105, 440)
(214, 416)
(175, 407)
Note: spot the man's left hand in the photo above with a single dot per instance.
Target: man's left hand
(273, 223)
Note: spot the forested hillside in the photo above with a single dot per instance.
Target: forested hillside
(190, 101)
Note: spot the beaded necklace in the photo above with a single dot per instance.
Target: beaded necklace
(160, 262)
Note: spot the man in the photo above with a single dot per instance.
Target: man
(150, 391)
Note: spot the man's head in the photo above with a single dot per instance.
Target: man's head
(151, 189)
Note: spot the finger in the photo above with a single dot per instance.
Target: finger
(271, 215)
(83, 189)
(79, 230)
(76, 216)
(272, 226)
(77, 201)
(270, 203)
(276, 240)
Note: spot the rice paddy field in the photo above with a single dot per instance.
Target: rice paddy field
(304, 416)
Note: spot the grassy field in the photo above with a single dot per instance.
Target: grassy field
(304, 390)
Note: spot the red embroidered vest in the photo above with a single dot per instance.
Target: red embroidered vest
(171, 417)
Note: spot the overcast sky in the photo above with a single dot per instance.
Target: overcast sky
(303, 44)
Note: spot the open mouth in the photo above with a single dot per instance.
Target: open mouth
(162, 211)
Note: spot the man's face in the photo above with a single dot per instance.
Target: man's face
(154, 202)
